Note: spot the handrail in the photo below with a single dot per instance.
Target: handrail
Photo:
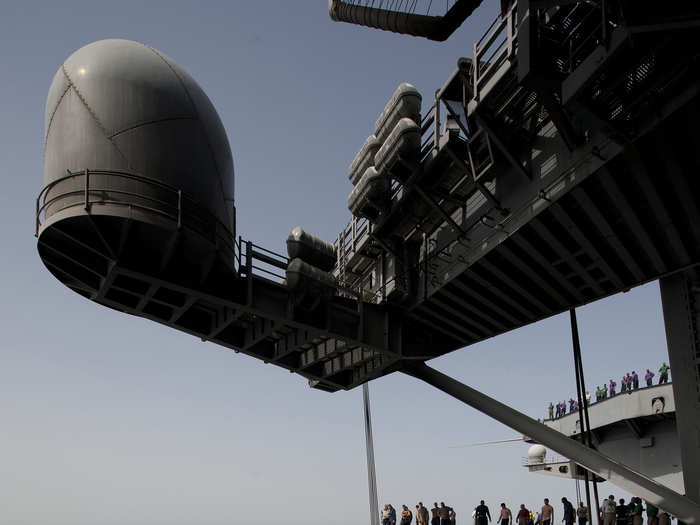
(483, 69)
(170, 210)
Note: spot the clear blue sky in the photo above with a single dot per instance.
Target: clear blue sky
(109, 419)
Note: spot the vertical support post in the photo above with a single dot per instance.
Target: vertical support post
(239, 254)
(179, 209)
(527, 39)
(510, 35)
(436, 135)
(580, 397)
(249, 271)
(426, 266)
(604, 24)
(371, 474)
(475, 68)
(87, 190)
(583, 411)
(680, 294)
(353, 222)
(36, 217)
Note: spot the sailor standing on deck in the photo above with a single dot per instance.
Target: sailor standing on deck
(386, 515)
(582, 513)
(523, 516)
(444, 514)
(608, 509)
(506, 516)
(435, 520)
(422, 515)
(648, 377)
(406, 515)
(481, 513)
(547, 513)
(569, 513)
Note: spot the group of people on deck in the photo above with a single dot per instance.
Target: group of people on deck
(438, 515)
(628, 383)
(611, 513)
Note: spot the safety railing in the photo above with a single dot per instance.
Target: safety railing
(349, 241)
(96, 187)
(498, 44)
(542, 461)
(584, 31)
(261, 261)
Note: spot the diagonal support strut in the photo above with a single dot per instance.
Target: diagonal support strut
(684, 508)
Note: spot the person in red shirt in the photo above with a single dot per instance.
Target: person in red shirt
(523, 516)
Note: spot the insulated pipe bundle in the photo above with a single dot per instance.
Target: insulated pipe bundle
(311, 249)
(364, 158)
(437, 28)
(311, 260)
(403, 141)
(396, 133)
(370, 196)
(405, 102)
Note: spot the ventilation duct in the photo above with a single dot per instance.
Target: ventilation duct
(437, 28)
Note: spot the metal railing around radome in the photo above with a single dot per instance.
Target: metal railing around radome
(173, 204)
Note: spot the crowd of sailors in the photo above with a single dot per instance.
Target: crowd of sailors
(611, 513)
(628, 383)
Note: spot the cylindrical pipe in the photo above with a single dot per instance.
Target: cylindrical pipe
(607, 468)
(437, 28)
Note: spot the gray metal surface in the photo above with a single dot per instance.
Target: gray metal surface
(679, 297)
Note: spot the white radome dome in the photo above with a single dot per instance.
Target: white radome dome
(537, 452)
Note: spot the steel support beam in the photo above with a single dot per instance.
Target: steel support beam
(543, 231)
(682, 507)
(631, 220)
(680, 293)
(609, 234)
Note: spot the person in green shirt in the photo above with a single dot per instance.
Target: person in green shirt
(604, 391)
(663, 373)
(636, 511)
(652, 514)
